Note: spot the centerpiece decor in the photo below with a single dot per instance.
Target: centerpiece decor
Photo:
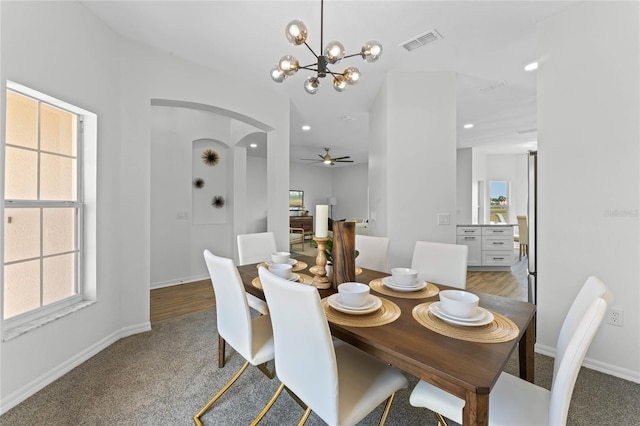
(321, 237)
(344, 252)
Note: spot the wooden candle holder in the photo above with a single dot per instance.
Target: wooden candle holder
(320, 279)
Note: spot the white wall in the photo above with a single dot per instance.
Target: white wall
(315, 181)
(256, 194)
(74, 57)
(350, 187)
(464, 186)
(419, 113)
(588, 155)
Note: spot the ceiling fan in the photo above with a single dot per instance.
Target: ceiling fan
(326, 159)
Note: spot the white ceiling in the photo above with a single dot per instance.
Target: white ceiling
(486, 43)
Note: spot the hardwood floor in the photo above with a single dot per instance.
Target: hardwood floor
(184, 299)
(179, 300)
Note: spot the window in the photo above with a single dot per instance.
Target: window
(43, 205)
(499, 201)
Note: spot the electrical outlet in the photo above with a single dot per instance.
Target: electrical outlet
(615, 317)
(444, 219)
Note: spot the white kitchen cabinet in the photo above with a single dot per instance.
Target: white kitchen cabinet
(472, 238)
(489, 245)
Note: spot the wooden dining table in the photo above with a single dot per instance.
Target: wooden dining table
(463, 368)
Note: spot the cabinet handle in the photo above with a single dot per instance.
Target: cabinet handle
(499, 243)
(470, 238)
(498, 258)
(469, 231)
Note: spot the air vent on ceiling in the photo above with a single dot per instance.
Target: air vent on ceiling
(421, 40)
(493, 86)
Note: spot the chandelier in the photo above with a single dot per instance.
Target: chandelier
(333, 53)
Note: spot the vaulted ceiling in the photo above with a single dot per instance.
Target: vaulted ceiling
(486, 43)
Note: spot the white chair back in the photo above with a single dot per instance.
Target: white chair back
(373, 252)
(254, 248)
(441, 263)
(233, 317)
(303, 345)
(523, 232)
(577, 332)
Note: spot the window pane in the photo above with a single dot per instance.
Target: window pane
(21, 174)
(21, 288)
(21, 234)
(57, 130)
(57, 178)
(58, 230)
(58, 278)
(22, 120)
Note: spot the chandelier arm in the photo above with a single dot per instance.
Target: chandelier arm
(321, 24)
(311, 50)
(351, 56)
(308, 67)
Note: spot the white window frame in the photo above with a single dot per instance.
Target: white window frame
(83, 292)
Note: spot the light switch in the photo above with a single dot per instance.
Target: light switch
(182, 215)
(444, 219)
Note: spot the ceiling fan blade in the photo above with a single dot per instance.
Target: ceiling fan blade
(343, 161)
(341, 158)
(309, 159)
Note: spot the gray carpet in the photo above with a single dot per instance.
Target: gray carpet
(164, 376)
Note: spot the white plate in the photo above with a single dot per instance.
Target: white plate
(373, 305)
(388, 282)
(482, 317)
(371, 301)
(293, 277)
(290, 262)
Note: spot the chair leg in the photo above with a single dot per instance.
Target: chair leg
(268, 406)
(441, 420)
(305, 416)
(266, 371)
(387, 407)
(196, 418)
(221, 348)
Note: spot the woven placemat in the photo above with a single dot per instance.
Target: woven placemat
(388, 313)
(299, 266)
(304, 279)
(429, 291)
(500, 330)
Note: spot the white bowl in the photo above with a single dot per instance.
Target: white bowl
(353, 294)
(280, 257)
(281, 269)
(459, 303)
(404, 276)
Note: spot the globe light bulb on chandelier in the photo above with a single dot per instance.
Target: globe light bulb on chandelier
(334, 52)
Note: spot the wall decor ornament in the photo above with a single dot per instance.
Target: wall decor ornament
(218, 201)
(210, 157)
(198, 183)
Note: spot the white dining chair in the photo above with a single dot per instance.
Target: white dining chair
(251, 338)
(441, 263)
(514, 401)
(254, 248)
(339, 382)
(373, 252)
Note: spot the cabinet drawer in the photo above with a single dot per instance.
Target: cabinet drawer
(497, 230)
(469, 230)
(497, 243)
(498, 258)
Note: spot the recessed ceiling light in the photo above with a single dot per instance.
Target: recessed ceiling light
(468, 125)
(306, 127)
(532, 66)
(254, 145)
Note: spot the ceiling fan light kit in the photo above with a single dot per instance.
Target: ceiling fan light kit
(328, 160)
(334, 52)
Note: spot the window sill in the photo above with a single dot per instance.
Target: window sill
(21, 329)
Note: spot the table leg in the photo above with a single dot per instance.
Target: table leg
(476, 409)
(526, 351)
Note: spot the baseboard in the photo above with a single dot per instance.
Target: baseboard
(52, 375)
(179, 281)
(612, 370)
